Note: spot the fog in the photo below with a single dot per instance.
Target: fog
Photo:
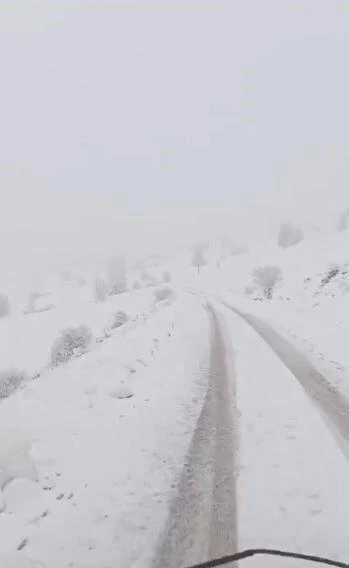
(142, 125)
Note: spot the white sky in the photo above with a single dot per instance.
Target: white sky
(139, 118)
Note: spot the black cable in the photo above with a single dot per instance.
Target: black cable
(269, 552)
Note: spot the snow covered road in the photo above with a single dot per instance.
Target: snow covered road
(203, 518)
(285, 481)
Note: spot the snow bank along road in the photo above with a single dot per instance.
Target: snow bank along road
(263, 469)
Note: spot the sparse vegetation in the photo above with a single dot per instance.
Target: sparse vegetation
(72, 342)
(10, 381)
(266, 278)
(332, 271)
(119, 319)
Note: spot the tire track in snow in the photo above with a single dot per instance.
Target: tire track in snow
(202, 521)
(333, 405)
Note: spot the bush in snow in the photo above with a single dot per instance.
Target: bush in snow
(166, 276)
(101, 290)
(119, 319)
(10, 381)
(164, 293)
(117, 275)
(266, 278)
(72, 342)
(332, 271)
(4, 306)
(289, 235)
(136, 285)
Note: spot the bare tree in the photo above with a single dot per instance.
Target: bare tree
(266, 278)
(198, 259)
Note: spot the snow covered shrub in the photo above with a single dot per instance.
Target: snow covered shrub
(72, 342)
(164, 293)
(166, 276)
(289, 235)
(10, 381)
(136, 285)
(266, 278)
(332, 271)
(119, 319)
(4, 306)
(101, 290)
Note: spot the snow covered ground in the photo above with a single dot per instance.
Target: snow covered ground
(91, 451)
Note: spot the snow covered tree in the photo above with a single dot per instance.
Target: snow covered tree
(266, 278)
(289, 235)
(198, 259)
(117, 275)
